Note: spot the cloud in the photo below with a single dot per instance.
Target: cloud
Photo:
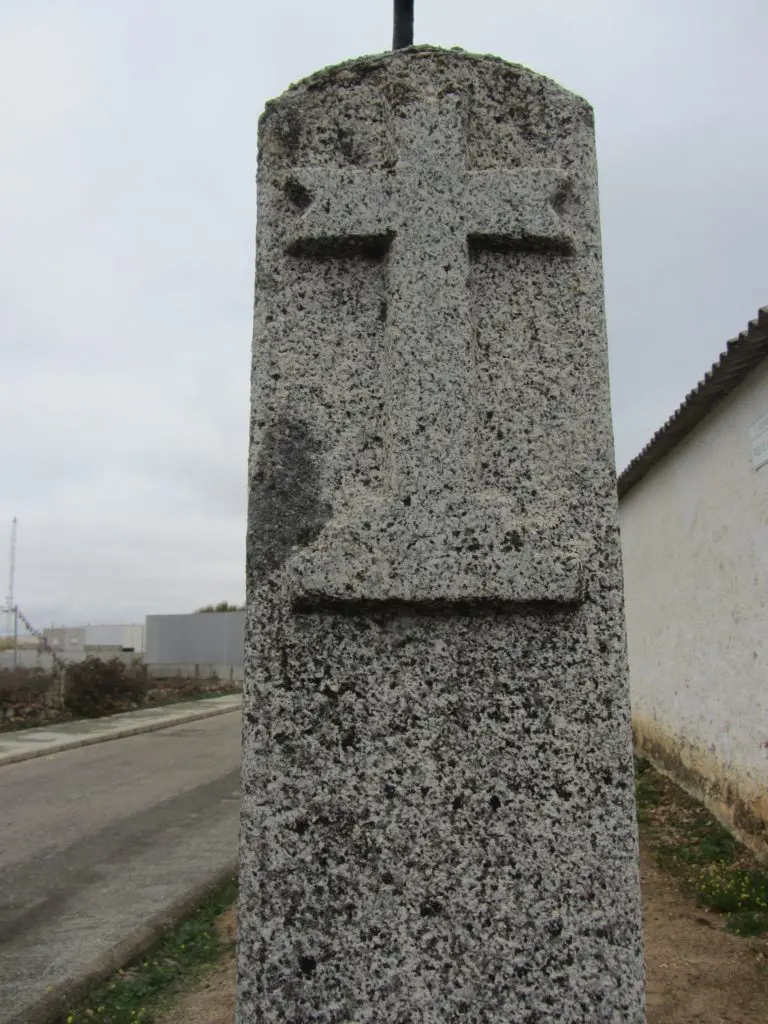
(127, 220)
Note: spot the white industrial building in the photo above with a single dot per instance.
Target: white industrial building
(95, 638)
(694, 523)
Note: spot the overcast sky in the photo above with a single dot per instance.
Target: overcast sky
(127, 219)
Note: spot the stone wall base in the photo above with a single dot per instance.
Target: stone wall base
(736, 799)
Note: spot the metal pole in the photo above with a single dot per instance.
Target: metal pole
(15, 635)
(402, 34)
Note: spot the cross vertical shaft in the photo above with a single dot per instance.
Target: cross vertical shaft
(428, 339)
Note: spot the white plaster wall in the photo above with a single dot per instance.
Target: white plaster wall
(695, 548)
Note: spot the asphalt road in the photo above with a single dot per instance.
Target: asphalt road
(96, 841)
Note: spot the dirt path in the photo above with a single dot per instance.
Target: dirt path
(696, 972)
(213, 1000)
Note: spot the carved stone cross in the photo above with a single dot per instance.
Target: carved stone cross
(427, 214)
(425, 217)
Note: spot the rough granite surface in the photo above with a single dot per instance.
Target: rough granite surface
(438, 813)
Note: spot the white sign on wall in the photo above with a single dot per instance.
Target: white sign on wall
(758, 442)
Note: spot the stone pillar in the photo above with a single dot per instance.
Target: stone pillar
(438, 807)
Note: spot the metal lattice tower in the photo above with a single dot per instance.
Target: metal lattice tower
(12, 571)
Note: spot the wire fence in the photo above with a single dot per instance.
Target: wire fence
(43, 647)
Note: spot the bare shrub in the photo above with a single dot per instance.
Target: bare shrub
(95, 687)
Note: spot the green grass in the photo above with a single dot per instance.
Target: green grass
(707, 861)
(139, 992)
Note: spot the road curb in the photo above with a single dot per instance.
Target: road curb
(14, 757)
(56, 1003)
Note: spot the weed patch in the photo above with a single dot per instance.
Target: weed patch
(708, 863)
(137, 993)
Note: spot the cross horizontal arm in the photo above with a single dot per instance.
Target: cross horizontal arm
(344, 210)
(517, 210)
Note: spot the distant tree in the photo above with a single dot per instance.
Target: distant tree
(222, 606)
